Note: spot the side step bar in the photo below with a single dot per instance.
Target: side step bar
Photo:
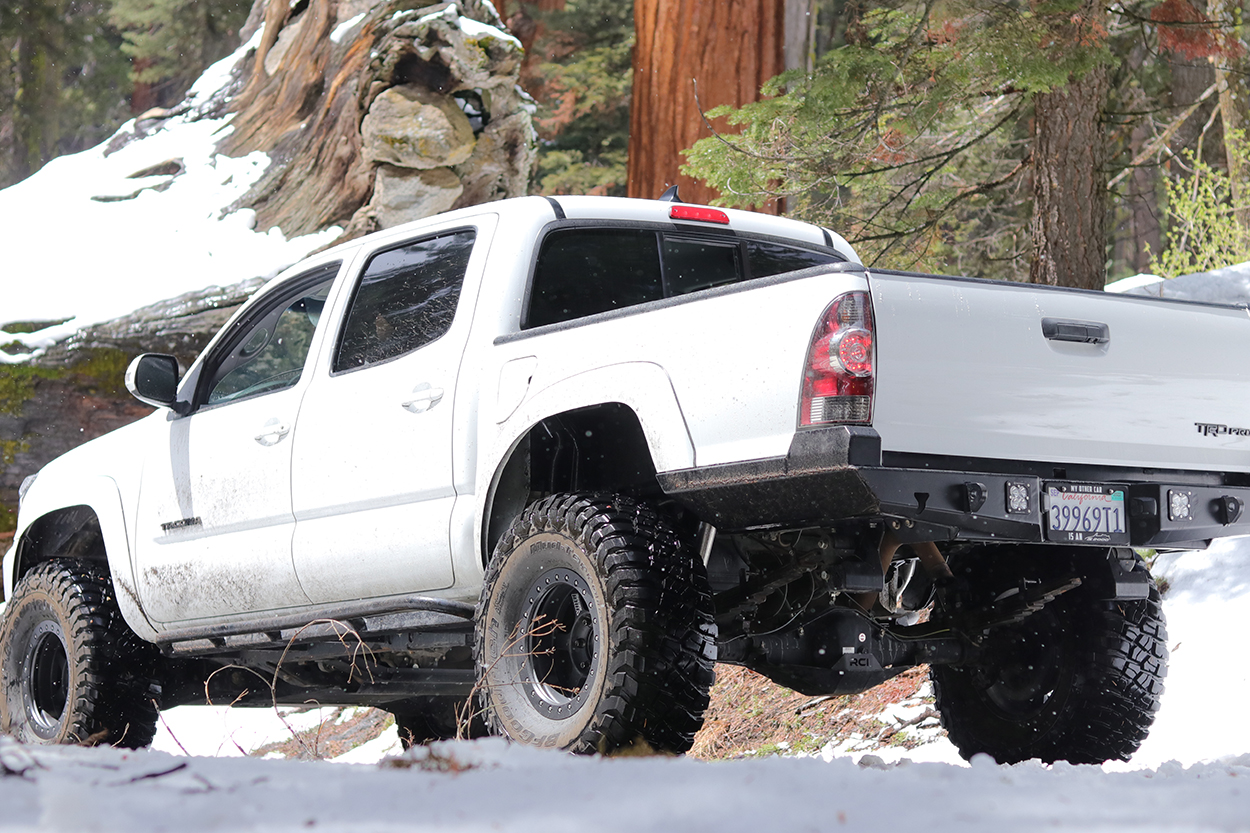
(373, 617)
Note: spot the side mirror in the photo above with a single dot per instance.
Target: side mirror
(153, 379)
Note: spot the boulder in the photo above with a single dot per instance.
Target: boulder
(404, 194)
(412, 127)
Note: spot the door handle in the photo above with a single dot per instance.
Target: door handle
(423, 398)
(1081, 332)
(272, 432)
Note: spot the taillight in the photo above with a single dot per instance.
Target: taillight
(701, 213)
(838, 379)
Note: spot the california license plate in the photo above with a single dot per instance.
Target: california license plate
(1086, 513)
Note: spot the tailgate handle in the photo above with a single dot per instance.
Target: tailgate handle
(1082, 332)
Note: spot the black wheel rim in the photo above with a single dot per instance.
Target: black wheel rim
(46, 679)
(561, 641)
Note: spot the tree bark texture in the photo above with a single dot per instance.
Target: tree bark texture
(1230, 72)
(724, 51)
(1069, 219)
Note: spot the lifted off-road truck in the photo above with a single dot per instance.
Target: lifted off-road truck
(555, 457)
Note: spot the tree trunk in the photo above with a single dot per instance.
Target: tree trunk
(36, 122)
(307, 97)
(723, 51)
(1230, 68)
(1068, 225)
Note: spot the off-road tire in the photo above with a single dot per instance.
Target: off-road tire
(595, 629)
(1078, 681)
(73, 671)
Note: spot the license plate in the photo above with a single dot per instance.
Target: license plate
(1086, 513)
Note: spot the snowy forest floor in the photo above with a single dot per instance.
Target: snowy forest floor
(767, 759)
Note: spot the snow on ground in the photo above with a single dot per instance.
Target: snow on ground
(1192, 773)
(85, 241)
(1227, 285)
(489, 785)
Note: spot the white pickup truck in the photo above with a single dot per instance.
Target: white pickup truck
(551, 458)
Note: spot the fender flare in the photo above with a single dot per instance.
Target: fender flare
(102, 495)
(643, 387)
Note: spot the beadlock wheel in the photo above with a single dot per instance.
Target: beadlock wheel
(595, 629)
(73, 672)
(46, 679)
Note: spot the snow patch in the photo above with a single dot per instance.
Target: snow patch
(477, 29)
(346, 26)
(87, 242)
(1134, 282)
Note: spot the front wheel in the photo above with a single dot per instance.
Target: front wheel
(595, 629)
(73, 671)
(1078, 681)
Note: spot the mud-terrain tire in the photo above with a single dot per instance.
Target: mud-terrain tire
(595, 629)
(1078, 681)
(439, 718)
(73, 671)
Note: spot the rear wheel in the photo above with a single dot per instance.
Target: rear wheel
(595, 629)
(1080, 680)
(73, 670)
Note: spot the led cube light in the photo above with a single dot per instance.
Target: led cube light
(1018, 499)
(1180, 505)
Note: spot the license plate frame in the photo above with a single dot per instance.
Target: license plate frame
(1085, 513)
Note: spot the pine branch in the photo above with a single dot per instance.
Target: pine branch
(1163, 138)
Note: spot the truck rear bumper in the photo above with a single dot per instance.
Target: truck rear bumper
(835, 474)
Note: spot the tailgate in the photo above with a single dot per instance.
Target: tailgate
(965, 369)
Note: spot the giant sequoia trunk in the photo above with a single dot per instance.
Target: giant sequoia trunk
(723, 51)
(1070, 185)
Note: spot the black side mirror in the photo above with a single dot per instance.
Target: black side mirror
(153, 379)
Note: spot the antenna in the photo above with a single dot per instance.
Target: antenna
(670, 195)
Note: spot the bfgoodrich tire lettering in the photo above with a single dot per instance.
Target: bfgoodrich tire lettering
(73, 672)
(595, 629)
(1078, 681)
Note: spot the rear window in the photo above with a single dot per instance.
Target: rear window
(585, 271)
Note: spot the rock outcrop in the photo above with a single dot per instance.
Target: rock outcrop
(371, 109)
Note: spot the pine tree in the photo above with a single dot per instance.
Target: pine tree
(913, 134)
(170, 42)
(62, 81)
(580, 74)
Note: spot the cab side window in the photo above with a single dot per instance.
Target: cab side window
(406, 299)
(768, 258)
(584, 271)
(271, 348)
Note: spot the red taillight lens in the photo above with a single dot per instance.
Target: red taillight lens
(838, 379)
(700, 213)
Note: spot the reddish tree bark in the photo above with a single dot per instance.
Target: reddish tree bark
(727, 48)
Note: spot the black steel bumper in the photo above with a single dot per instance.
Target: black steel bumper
(835, 474)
